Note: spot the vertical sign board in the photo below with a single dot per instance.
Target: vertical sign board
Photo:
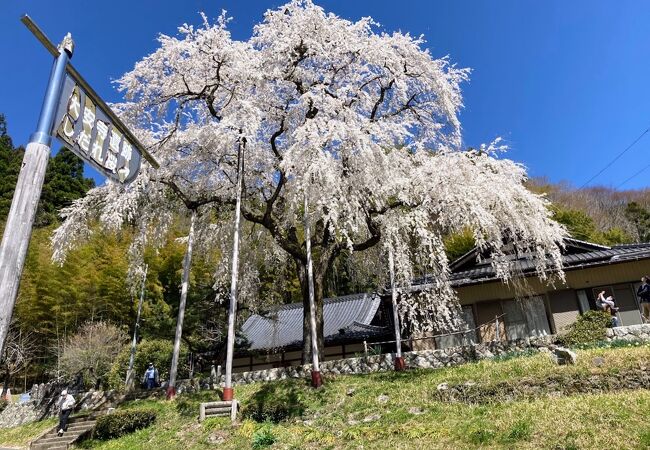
(90, 133)
(73, 112)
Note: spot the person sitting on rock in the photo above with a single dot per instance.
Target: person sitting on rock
(607, 304)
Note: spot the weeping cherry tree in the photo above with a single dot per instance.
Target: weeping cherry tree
(362, 122)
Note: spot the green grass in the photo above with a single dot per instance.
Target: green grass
(333, 417)
(19, 436)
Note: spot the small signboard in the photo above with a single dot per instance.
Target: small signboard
(90, 133)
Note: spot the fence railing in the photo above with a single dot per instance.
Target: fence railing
(497, 334)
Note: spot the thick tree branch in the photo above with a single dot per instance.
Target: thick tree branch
(380, 100)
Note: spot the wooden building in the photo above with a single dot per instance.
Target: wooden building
(524, 307)
(276, 337)
(530, 307)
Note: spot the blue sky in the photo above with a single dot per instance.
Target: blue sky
(566, 84)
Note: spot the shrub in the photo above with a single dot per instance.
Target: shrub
(157, 351)
(263, 438)
(590, 328)
(91, 351)
(120, 423)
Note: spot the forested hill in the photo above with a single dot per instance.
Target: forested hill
(600, 214)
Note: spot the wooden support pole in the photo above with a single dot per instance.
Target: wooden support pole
(129, 372)
(18, 228)
(399, 360)
(228, 392)
(316, 379)
(187, 261)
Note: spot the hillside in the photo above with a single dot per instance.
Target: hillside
(597, 213)
(518, 402)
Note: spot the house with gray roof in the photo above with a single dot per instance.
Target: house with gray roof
(275, 337)
(530, 307)
(524, 307)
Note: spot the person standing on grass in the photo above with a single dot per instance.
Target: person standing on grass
(151, 378)
(644, 298)
(66, 405)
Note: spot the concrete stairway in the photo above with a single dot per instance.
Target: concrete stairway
(78, 428)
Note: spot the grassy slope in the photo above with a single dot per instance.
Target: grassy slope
(21, 435)
(334, 419)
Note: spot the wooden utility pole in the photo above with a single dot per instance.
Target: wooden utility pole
(18, 229)
(316, 379)
(187, 261)
(228, 392)
(399, 360)
(129, 372)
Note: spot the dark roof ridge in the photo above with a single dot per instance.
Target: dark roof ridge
(368, 326)
(632, 245)
(329, 300)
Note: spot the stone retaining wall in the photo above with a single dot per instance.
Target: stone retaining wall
(429, 359)
(43, 404)
(425, 359)
(632, 333)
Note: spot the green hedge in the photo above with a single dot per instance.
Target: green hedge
(120, 423)
(591, 327)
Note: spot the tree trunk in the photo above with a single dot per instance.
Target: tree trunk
(318, 300)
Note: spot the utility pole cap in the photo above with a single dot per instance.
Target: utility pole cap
(67, 45)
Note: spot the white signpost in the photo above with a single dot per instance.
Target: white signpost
(75, 113)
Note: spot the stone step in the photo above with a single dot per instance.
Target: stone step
(48, 447)
(217, 404)
(75, 432)
(58, 440)
(79, 426)
(67, 437)
(218, 409)
(217, 415)
(77, 419)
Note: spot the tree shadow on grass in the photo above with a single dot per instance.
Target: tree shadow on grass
(277, 402)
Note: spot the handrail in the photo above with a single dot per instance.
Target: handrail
(495, 320)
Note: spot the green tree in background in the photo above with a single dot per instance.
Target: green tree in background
(640, 217)
(579, 224)
(10, 160)
(64, 180)
(457, 244)
(582, 226)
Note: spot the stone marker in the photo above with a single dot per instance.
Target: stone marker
(564, 356)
